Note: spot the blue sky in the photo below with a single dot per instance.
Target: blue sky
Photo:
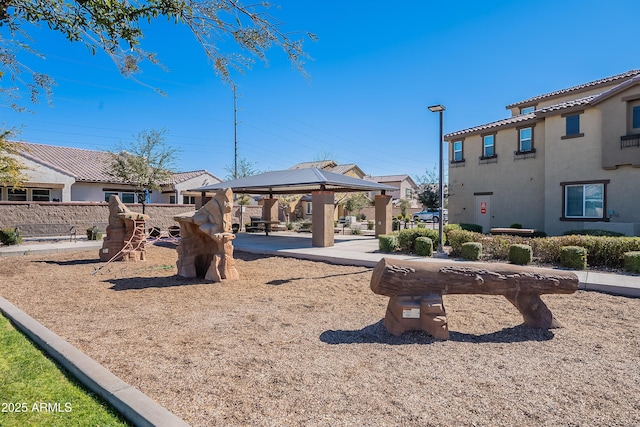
(375, 69)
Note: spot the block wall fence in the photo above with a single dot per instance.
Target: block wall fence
(84, 214)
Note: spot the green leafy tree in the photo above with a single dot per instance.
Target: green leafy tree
(428, 192)
(404, 205)
(145, 164)
(11, 170)
(245, 168)
(355, 202)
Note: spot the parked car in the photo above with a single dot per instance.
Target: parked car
(430, 215)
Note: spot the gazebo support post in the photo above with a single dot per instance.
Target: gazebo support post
(322, 231)
(270, 209)
(383, 214)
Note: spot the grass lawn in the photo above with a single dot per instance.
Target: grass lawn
(34, 391)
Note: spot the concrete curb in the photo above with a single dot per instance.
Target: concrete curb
(135, 406)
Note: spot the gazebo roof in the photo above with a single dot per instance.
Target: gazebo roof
(297, 181)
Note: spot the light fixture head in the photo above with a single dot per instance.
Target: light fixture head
(436, 108)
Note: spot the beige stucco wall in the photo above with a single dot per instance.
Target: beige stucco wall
(40, 175)
(517, 186)
(580, 159)
(616, 122)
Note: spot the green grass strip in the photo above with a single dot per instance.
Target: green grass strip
(34, 391)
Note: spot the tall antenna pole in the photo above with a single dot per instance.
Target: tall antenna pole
(235, 134)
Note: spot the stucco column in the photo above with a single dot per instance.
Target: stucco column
(383, 214)
(270, 209)
(322, 233)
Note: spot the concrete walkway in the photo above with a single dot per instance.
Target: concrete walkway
(140, 409)
(363, 250)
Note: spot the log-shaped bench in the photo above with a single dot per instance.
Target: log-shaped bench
(415, 289)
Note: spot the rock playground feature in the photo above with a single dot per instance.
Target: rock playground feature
(126, 237)
(205, 247)
(415, 289)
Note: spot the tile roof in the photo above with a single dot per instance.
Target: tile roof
(567, 104)
(179, 177)
(386, 178)
(82, 164)
(343, 168)
(320, 164)
(494, 125)
(593, 84)
(625, 80)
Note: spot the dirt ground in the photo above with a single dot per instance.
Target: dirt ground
(297, 342)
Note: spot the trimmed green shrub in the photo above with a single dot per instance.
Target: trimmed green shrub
(356, 230)
(8, 237)
(424, 246)
(516, 225)
(592, 232)
(458, 237)
(573, 257)
(407, 238)
(603, 251)
(498, 246)
(520, 254)
(370, 225)
(447, 228)
(471, 251)
(632, 261)
(471, 227)
(388, 242)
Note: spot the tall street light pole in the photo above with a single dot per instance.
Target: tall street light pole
(440, 109)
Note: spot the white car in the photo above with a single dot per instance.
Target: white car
(431, 215)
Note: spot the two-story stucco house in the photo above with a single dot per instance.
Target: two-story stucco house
(565, 160)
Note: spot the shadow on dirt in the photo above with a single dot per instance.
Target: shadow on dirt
(378, 334)
(136, 283)
(279, 282)
(74, 262)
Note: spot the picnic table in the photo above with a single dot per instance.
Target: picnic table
(265, 224)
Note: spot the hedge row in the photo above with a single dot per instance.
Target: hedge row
(603, 251)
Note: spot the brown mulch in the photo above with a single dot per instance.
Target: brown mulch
(297, 342)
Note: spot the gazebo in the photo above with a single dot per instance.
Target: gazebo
(322, 185)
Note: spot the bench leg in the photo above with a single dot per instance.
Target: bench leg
(535, 312)
(424, 313)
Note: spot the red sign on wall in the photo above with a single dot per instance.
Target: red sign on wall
(483, 207)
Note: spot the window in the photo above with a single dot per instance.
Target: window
(107, 196)
(408, 193)
(189, 200)
(128, 198)
(17, 195)
(488, 146)
(636, 117)
(527, 110)
(457, 151)
(40, 195)
(172, 200)
(525, 140)
(572, 124)
(584, 200)
(309, 208)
